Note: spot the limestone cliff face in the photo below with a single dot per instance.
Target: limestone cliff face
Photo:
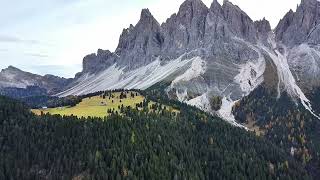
(301, 26)
(139, 45)
(203, 52)
(220, 35)
(194, 26)
(300, 32)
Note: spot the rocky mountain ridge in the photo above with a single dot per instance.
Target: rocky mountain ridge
(211, 51)
(16, 78)
(204, 52)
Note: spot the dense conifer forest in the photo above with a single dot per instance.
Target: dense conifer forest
(135, 145)
(284, 122)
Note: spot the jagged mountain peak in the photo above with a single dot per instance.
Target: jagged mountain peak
(11, 68)
(98, 61)
(310, 2)
(230, 7)
(229, 4)
(301, 26)
(192, 7)
(193, 2)
(290, 11)
(216, 6)
(147, 17)
(284, 24)
(145, 13)
(263, 25)
(240, 24)
(139, 43)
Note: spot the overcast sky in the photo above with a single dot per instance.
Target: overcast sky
(53, 36)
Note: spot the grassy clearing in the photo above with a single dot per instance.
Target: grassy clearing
(96, 106)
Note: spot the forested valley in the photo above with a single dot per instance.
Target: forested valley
(136, 144)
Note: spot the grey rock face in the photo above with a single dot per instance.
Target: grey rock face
(204, 52)
(300, 26)
(240, 23)
(300, 32)
(197, 31)
(185, 30)
(304, 61)
(263, 27)
(14, 77)
(194, 26)
(284, 24)
(99, 61)
(140, 44)
(314, 35)
(214, 34)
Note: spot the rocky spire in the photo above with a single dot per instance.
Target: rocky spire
(99, 61)
(11, 69)
(284, 24)
(263, 29)
(216, 7)
(300, 26)
(139, 43)
(263, 26)
(145, 14)
(191, 12)
(239, 22)
(186, 29)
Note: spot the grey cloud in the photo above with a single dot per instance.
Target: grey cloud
(67, 71)
(14, 39)
(37, 55)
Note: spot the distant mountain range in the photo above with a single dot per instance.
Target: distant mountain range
(12, 77)
(201, 52)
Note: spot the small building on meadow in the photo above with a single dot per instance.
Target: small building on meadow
(103, 104)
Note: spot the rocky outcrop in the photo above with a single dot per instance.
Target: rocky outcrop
(98, 61)
(219, 35)
(299, 32)
(205, 52)
(239, 22)
(300, 26)
(185, 30)
(283, 25)
(138, 45)
(263, 28)
(194, 26)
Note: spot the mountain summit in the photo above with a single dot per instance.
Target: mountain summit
(301, 26)
(221, 61)
(202, 52)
